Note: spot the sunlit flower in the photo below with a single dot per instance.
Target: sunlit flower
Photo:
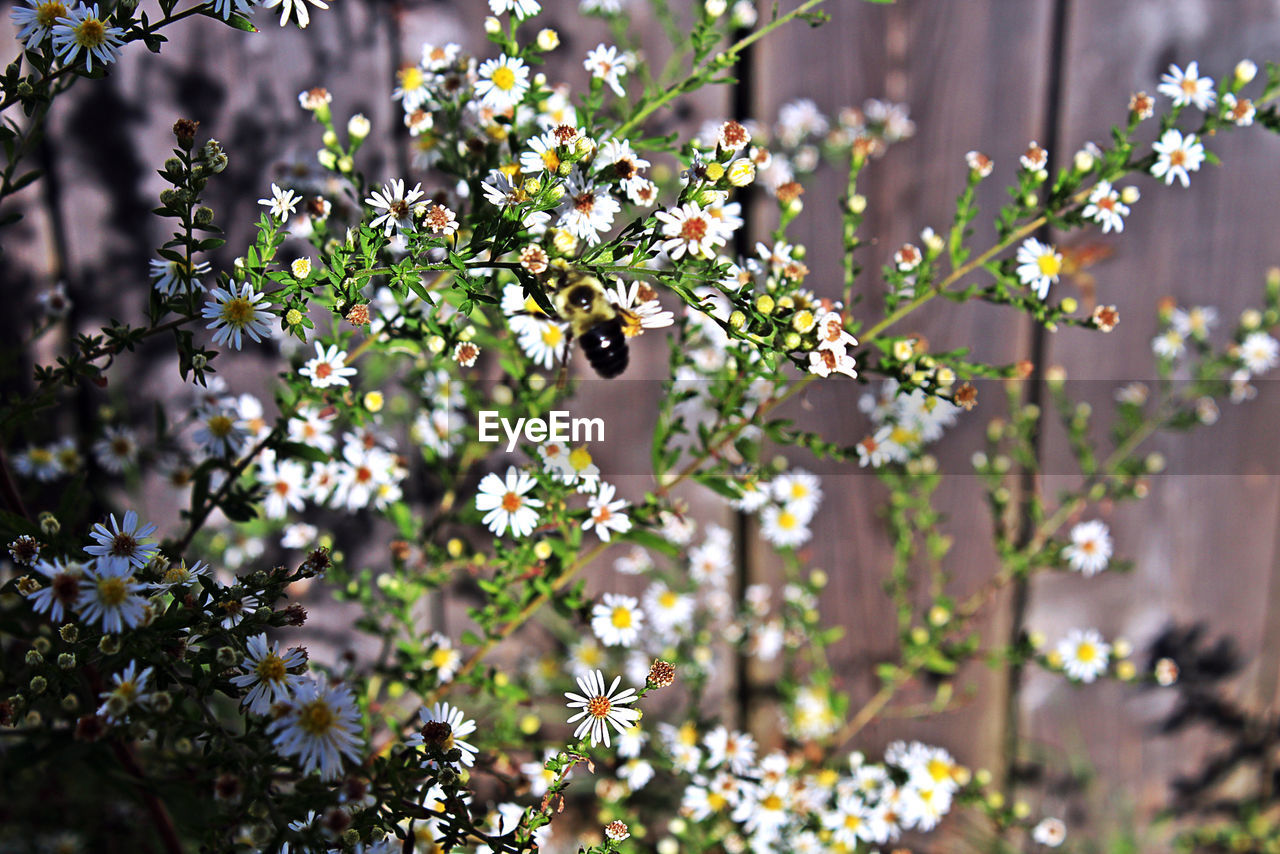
(1187, 87)
(234, 312)
(398, 206)
(503, 82)
(320, 726)
(1039, 265)
(1178, 155)
(328, 368)
(1238, 111)
(505, 504)
(784, 526)
(617, 620)
(36, 19)
(1090, 548)
(1106, 208)
(606, 513)
(267, 674)
(1084, 654)
(601, 708)
(83, 29)
(605, 63)
(587, 209)
(688, 229)
(522, 8)
(282, 204)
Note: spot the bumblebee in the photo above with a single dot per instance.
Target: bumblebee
(581, 302)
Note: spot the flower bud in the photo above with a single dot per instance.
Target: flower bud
(49, 524)
(1130, 195)
(358, 127)
(737, 320)
(741, 172)
(227, 657)
(1245, 71)
(1069, 305)
(765, 304)
(66, 661)
(109, 644)
(715, 8)
(492, 26)
(1083, 161)
(548, 39)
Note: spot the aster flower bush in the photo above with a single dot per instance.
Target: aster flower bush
(158, 663)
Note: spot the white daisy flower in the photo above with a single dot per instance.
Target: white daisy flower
(230, 611)
(736, 750)
(110, 596)
(580, 469)
(129, 689)
(541, 155)
(285, 482)
(1187, 87)
(587, 209)
(640, 307)
(40, 462)
(220, 433)
(784, 526)
(60, 596)
(310, 428)
(503, 82)
(1170, 344)
(124, 543)
(320, 727)
(173, 277)
(234, 313)
(83, 29)
(37, 19)
(296, 8)
(522, 8)
(606, 514)
(1239, 111)
(543, 341)
(1090, 548)
(605, 63)
(688, 229)
(1039, 265)
(397, 206)
(117, 449)
(505, 505)
(459, 728)
(1050, 832)
(282, 204)
(617, 620)
(444, 658)
(601, 708)
(267, 674)
(1259, 352)
(667, 608)
(181, 575)
(1106, 208)
(1178, 155)
(1085, 655)
(328, 368)
(226, 8)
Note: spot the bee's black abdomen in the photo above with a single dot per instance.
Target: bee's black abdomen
(606, 348)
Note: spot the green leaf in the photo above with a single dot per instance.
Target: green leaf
(301, 451)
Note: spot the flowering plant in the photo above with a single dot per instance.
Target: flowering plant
(163, 661)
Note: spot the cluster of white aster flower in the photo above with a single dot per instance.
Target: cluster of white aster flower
(903, 423)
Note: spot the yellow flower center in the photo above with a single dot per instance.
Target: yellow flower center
(939, 770)
(668, 599)
(40, 456)
(772, 803)
(220, 426)
(599, 707)
(91, 33)
(410, 78)
(621, 618)
(112, 591)
(1049, 264)
(1086, 652)
(716, 801)
(550, 160)
(580, 458)
(441, 657)
(317, 718)
(47, 14)
(551, 336)
(237, 312)
(787, 520)
(271, 668)
(504, 78)
(511, 502)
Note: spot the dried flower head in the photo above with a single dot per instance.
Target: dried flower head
(358, 314)
(661, 673)
(616, 830)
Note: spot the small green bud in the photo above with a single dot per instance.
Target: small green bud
(227, 657)
(765, 304)
(66, 660)
(69, 633)
(41, 645)
(70, 703)
(34, 658)
(38, 684)
(49, 524)
(737, 320)
(173, 165)
(204, 216)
